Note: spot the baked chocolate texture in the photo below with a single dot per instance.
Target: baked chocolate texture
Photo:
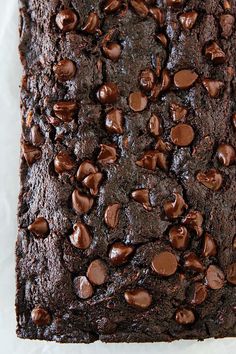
(127, 203)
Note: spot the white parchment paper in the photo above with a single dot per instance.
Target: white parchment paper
(10, 72)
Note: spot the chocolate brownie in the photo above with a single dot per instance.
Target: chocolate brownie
(127, 203)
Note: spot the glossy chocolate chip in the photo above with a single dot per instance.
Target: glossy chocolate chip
(146, 80)
(139, 7)
(31, 153)
(66, 20)
(81, 237)
(112, 51)
(115, 121)
(85, 169)
(97, 272)
(36, 135)
(178, 112)
(184, 317)
(120, 253)
(182, 134)
(193, 262)
(83, 287)
(227, 23)
(158, 15)
(107, 155)
(234, 243)
(199, 294)
(211, 179)
(233, 119)
(138, 101)
(188, 19)
(185, 79)
(176, 208)
(63, 162)
(81, 202)
(64, 70)
(40, 317)
(65, 110)
(215, 277)
(165, 264)
(226, 154)
(163, 146)
(110, 6)
(161, 37)
(231, 273)
(92, 182)
(209, 246)
(108, 93)
(39, 227)
(174, 3)
(92, 23)
(138, 298)
(142, 196)
(155, 125)
(213, 87)
(194, 220)
(165, 80)
(111, 215)
(148, 160)
(179, 237)
(215, 53)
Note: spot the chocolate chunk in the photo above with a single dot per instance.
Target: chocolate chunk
(194, 220)
(138, 101)
(110, 6)
(185, 316)
(158, 15)
(112, 51)
(63, 162)
(146, 80)
(176, 208)
(66, 20)
(92, 23)
(120, 253)
(199, 294)
(85, 169)
(36, 135)
(142, 196)
(83, 287)
(115, 121)
(182, 134)
(111, 215)
(209, 246)
(179, 237)
(40, 316)
(226, 154)
(65, 110)
(92, 182)
(227, 24)
(39, 227)
(64, 70)
(188, 19)
(178, 112)
(215, 277)
(81, 202)
(215, 53)
(231, 273)
(213, 87)
(185, 79)
(108, 93)
(155, 125)
(107, 155)
(193, 262)
(165, 263)
(81, 237)
(211, 179)
(139, 7)
(97, 272)
(31, 153)
(138, 298)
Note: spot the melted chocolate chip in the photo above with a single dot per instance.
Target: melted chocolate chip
(194, 220)
(178, 112)
(226, 154)
(139, 7)
(63, 162)
(83, 287)
(155, 125)
(193, 262)
(111, 6)
(107, 155)
(138, 101)
(111, 215)
(211, 179)
(138, 298)
(158, 15)
(233, 118)
(92, 24)
(231, 273)
(142, 196)
(115, 121)
(213, 87)
(81, 237)
(85, 169)
(40, 316)
(179, 237)
(39, 227)
(66, 20)
(36, 135)
(81, 202)
(120, 253)
(92, 182)
(184, 317)
(209, 246)
(108, 93)
(165, 263)
(227, 23)
(165, 80)
(185, 79)
(215, 53)
(31, 153)
(112, 51)
(97, 272)
(188, 19)
(65, 110)
(147, 80)
(161, 37)
(199, 294)
(148, 160)
(65, 70)
(215, 277)
(182, 134)
(175, 209)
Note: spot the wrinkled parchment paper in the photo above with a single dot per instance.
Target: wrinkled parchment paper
(10, 72)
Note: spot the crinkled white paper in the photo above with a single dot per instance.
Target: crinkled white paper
(10, 72)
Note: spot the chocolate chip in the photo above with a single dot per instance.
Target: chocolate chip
(81, 237)
(64, 70)
(138, 298)
(233, 118)
(161, 37)
(142, 196)
(63, 162)
(193, 262)
(139, 7)
(226, 154)
(215, 53)
(97, 272)
(115, 121)
(146, 80)
(92, 24)
(108, 93)
(39, 227)
(179, 237)
(165, 80)
(93, 182)
(184, 317)
(85, 169)
(36, 135)
(138, 101)
(209, 246)
(111, 215)
(81, 202)
(107, 155)
(185, 79)
(227, 5)
(182, 134)
(112, 51)
(199, 294)
(158, 15)
(110, 6)
(165, 263)
(231, 273)
(176, 208)
(178, 112)
(31, 153)
(163, 146)
(65, 110)
(40, 316)
(148, 160)
(213, 87)
(120, 253)
(215, 277)
(188, 19)
(155, 125)
(83, 287)
(174, 3)
(66, 20)
(194, 220)
(227, 24)
(211, 179)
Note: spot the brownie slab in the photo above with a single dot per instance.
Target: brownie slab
(127, 204)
